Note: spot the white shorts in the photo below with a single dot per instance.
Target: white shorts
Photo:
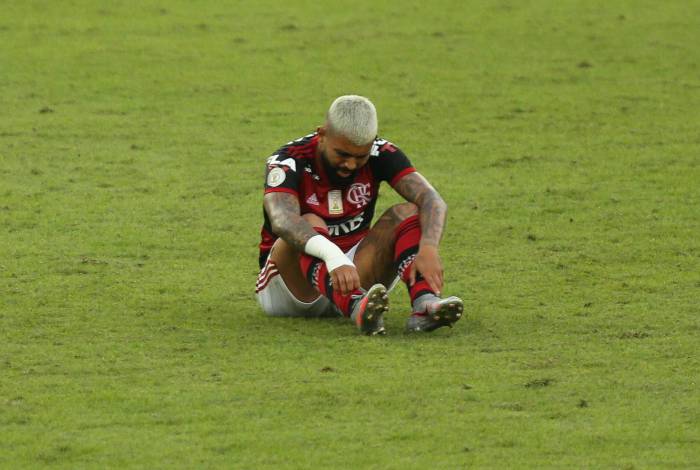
(276, 300)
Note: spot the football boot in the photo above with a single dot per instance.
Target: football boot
(368, 312)
(431, 313)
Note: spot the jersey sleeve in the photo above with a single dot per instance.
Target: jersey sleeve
(281, 174)
(390, 163)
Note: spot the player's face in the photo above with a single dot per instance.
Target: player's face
(341, 157)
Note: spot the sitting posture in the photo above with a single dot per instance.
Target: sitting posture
(319, 253)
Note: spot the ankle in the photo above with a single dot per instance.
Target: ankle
(420, 302)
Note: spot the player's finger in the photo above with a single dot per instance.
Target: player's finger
(344, 285)
(434, 285)
(335, 282)
(355, 283)
(355, 280)
(412, 275)
(340, 283)
(434, 279)
(351, 281)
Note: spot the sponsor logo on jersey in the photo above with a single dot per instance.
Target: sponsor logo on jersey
(312, 200)
(335, 202)
(347, 226)
(275, 177)
(359, 194)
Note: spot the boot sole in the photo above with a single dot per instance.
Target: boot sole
(448, 311)
(377, 303)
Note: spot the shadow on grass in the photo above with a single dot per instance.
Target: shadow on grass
(344, 328)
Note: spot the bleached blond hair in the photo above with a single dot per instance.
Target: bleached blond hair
(353, 117)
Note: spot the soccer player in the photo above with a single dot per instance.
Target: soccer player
(319, 253)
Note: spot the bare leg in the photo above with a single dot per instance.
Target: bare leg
(375, 262)
(287, 260)
(375, 255)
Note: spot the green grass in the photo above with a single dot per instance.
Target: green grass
(563, 135)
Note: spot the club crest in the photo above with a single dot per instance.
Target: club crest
(359, 194)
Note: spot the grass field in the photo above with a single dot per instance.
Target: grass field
(564, 135)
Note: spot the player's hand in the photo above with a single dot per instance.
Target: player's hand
(345, 278)
(428, 263)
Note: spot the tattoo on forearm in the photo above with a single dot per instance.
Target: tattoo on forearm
(287, 223)
(433, 210)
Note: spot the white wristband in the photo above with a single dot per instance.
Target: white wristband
(321, 247)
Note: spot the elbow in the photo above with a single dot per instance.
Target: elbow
(442, 203)
(277, 225)
(278, 229)
(436, 202)
(443, 208)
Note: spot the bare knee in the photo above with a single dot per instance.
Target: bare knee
(396, 214)
(314, 220)
(403, 211)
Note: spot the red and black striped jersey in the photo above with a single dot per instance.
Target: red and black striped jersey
(347, 211)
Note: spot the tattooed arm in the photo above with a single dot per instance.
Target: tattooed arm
(287, 223)
(432, 212)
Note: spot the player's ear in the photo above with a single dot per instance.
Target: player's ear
(322, 133)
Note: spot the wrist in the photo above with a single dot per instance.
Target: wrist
(427, 246)
(321, 247)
